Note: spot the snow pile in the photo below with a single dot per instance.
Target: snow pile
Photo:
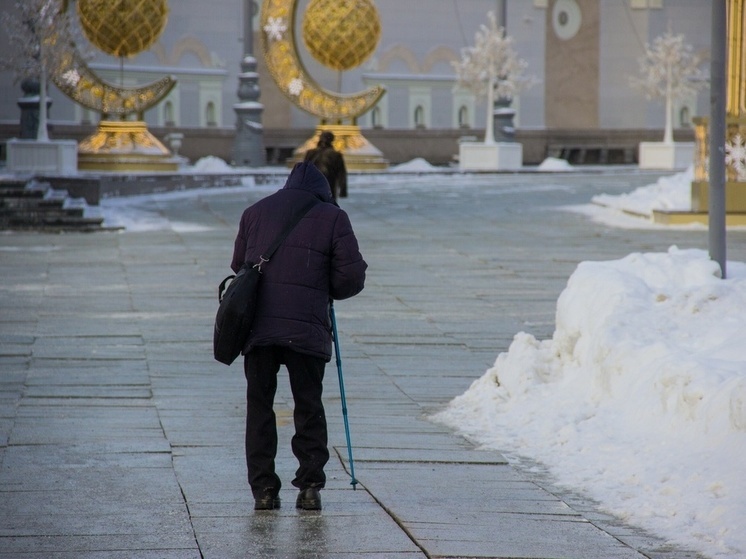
(555, 164)
(639, 399)
(417, 164)
(211, 164)
(669, 193)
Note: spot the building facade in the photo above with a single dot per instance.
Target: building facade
(582, 53)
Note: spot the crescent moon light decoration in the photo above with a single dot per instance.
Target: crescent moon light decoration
(118, 144)
(76, 80)
(287, 70)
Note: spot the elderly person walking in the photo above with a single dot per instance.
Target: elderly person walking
(319, 261)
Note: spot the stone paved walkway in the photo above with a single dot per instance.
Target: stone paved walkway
(121, 437)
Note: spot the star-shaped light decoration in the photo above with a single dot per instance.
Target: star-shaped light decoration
(71, 77)
(275, 28)
(735, 156)
(295, 87)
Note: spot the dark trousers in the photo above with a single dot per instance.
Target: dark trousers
(309, 443)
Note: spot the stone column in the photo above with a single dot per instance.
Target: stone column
(502, 112)
(29, 105)
(248, 146)
(503, 118)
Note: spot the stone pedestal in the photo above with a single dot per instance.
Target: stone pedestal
(735, 170)
(124, 146)
(53, 157)
(500, 156)
(662, 155)
(735, 197)
(359, 154)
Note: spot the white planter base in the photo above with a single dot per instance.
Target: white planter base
(660, 155)
(53, 157)
(502, 156)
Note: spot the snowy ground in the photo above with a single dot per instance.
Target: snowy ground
(639, 398)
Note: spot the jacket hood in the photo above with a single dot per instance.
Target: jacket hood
(306, 176)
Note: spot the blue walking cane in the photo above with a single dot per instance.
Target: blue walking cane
(342, 393)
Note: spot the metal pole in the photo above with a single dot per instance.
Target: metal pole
(717, 135)
(502, 14)
(342, 393)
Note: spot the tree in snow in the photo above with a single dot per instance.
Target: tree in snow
(493, 69)
(38, 33)
(669, 70)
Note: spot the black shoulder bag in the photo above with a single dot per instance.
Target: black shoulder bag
(237, 295)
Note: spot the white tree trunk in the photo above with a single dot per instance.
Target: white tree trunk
(489, 130)
(41, 133)
(668, 132)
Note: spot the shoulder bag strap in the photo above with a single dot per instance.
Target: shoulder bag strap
(285, 232)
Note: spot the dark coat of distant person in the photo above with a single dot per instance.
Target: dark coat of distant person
(331, 164)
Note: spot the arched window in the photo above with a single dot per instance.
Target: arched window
(375, 118)
(168, 113)
(684, 120)
(210, 114)
(419, 117)
(463, 117)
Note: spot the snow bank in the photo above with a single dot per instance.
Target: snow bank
(639, 398)
(211, 164)
(669, 193)
(415, 165)
(555, 164)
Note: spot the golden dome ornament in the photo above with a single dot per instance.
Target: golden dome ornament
(122, 27)
(341, 34)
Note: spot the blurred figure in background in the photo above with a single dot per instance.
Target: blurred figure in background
(331, 164)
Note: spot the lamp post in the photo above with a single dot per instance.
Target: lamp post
(502, 113)
(248, 146)
(717, 134)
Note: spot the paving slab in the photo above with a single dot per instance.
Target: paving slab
(121, 437)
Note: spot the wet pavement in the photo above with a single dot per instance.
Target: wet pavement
(121, 437)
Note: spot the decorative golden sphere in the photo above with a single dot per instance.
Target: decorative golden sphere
(122, 27)
(341, 34)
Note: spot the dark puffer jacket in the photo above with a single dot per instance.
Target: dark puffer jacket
(319, 260)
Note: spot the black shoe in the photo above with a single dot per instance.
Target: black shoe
(308, 499)
(266, 500)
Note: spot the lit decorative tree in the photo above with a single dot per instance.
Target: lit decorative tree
(37, 29)
(669, 70)
(493, 69)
